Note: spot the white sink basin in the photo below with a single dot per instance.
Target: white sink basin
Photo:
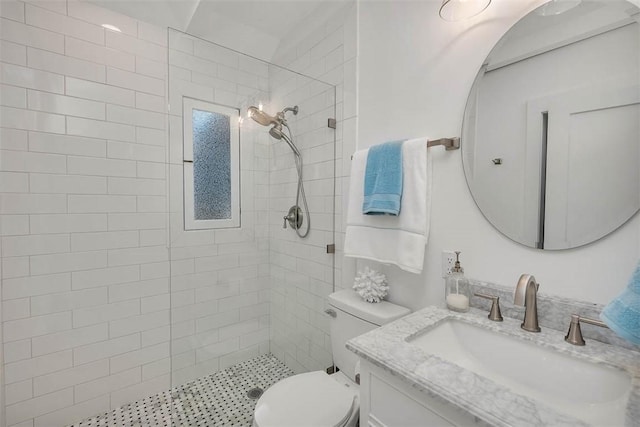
(588, 391)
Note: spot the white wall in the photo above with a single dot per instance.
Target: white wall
(85, 281)
(415, 72)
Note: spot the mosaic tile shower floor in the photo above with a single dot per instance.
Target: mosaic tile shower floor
(219, 399)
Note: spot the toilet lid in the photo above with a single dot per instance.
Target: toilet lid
(311, 399)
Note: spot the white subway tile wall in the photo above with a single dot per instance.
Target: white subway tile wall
(105, 298)
(220, 278)
(302, 274)
(84, 205)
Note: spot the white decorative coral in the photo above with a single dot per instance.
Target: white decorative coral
(371, 285)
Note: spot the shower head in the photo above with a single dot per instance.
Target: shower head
(278, 121)
(279, 134)
(276, 131)
(267, 120)
(261, 117)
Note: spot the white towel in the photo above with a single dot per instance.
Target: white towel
(398, 240)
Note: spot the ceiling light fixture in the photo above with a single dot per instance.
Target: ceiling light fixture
(458, 10)
(112, 28)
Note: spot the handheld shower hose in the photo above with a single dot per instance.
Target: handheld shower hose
(278, 121)
(300, 190)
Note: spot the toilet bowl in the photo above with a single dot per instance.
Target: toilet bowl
(316, 399)
(311, 399)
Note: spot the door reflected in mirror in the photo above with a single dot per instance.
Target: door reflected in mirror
(551, 133)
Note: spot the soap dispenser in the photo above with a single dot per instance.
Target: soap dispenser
(457, 290)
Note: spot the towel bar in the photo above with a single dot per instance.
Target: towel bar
(448, 143)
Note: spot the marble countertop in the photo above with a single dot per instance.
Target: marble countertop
(387, 348)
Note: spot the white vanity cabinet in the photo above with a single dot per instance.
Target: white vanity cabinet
(386, 401)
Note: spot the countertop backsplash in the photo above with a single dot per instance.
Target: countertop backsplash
(553, 312)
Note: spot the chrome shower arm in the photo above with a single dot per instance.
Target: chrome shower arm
(293, 109)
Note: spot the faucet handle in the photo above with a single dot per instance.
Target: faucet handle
(494, 313)
(574, 335)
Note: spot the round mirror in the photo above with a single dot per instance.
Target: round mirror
(551, 132)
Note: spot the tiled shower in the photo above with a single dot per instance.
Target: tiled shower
(106, 299)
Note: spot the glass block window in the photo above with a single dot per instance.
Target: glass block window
(211, 165)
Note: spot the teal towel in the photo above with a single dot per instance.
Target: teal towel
(622, 314)
(383, 179)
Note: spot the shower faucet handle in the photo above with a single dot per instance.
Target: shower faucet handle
(293, 217)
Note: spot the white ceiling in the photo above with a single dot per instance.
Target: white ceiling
(273, 17)
(255, 27)
(170, 13)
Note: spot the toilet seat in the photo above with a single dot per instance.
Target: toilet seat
(310, 399)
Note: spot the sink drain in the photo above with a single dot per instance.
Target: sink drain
(255, 393)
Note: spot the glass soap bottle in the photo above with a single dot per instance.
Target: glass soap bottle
(457, 291)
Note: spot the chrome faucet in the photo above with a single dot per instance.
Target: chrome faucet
(527, 295)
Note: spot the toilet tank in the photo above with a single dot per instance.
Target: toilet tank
(354, 317)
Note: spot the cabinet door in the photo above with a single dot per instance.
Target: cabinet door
(392, 408)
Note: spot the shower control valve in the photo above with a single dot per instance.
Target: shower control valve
(293, 217)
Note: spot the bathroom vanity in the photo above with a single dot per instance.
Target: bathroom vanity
(436, 367)
(386, 400)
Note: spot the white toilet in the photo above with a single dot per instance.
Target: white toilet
(316, 399)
